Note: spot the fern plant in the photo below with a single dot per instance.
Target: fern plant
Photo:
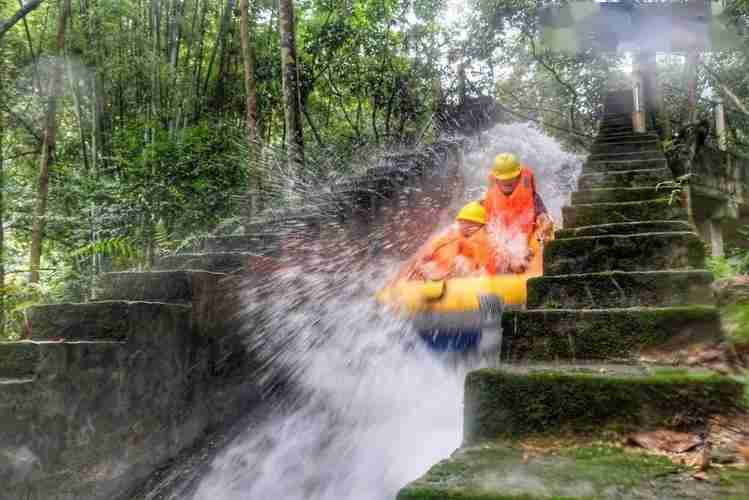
(121, 249)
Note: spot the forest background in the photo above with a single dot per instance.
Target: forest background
(131, 128)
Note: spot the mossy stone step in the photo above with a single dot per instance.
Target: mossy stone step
(140, 322)
(636, 252)
(208, 294)
(219, 262)
(612, 213)
(24, 360)
(622, 228)
(254, 243)
(625, 178)
(625, 137)
(624, 123)
(593, 167)
(606, 334)
(617, 118)
(510, 402)
(18, 360)
(624, 147)
(616, 124)
(641, 155)
(179, 287)
(620, 289)
(505, 470)
(615, 195)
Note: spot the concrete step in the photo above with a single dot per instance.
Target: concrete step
(219, 262)
(138, 322)
(208, 294)
(255, 243)
(615, 195)
(616, 126)
(26, 360)
(591, 167)
(636, 252)
(618, 335)
(625, 178)
(508, 469)
(615, 130)
(622, 228)
(516, 401)
(624, 147)
(18, 360)
(614, 123)
(610, 213)
(641, 155)
(177, 287)
(617, 116)
(620, 289)
(625, 137)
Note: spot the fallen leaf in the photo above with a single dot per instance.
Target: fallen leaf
(663, 440)
(743, 450)
(701, 476)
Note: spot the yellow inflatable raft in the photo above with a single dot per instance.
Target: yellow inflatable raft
(462, 294)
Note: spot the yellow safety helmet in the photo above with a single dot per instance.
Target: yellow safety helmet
(506, 166)
(472, 212)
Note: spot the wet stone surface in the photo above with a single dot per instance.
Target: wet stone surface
(505, 471)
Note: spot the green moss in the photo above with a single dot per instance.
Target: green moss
(736, 323)
(503, 471)
(625, 228)
(603, 334)
(614, 195)
(620, 289)
(637, 252)
(500, 403)
(18, 359)
(610, 213)
(734, 484)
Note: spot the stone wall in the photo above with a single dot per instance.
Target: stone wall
(106, 392)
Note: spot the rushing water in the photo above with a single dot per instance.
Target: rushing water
(368, 409)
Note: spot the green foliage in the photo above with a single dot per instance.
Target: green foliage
(20, 295)
(117, 247)
(736, 260)
(676, 187)
(151, 153)
(736, 322)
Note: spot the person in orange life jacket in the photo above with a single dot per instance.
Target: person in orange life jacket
(514, 213)
(458, 251)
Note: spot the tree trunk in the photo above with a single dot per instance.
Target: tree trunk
(48, 145)
(78, 114)
(248, 57)
(21, 14)
(225, 19)
(290, 74)
(692, 98)
(2, 208)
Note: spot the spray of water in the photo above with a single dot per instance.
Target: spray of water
(366, 408)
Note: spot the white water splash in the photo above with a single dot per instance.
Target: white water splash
(369, 409)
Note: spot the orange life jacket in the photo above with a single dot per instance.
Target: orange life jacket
(514, 213)
(478, 250)
(438, 252)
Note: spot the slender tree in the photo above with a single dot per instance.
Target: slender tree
(2, 201)
(48, 146)
(248, 57)
(290, 79)
(20, 14)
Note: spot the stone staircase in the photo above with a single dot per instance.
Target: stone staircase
(599, 352)
(105, 392)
